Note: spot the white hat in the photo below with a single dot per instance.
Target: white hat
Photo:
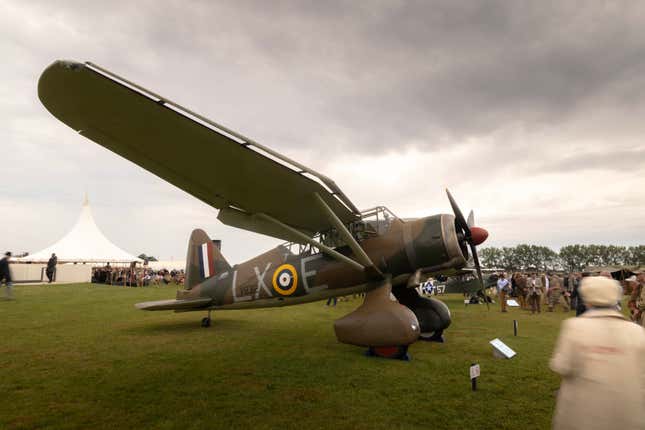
(600, 291)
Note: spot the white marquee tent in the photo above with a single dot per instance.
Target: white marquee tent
(83, 244)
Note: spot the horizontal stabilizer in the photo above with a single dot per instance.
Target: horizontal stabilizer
(168, 305)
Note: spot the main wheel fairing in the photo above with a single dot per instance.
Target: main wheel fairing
(433, 315)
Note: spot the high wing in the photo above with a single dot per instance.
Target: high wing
(248, 182)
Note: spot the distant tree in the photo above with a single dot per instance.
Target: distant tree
(549, 259)
(491, 257)
(635, 255)
(530, 257)
(614, 255)
(510, 259)
(520, 257)
(570, 257)
(573, 257)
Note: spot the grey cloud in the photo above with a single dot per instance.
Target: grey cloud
(380, 74)
(620, 160)
(470, 76)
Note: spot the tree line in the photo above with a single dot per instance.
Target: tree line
(570, 257)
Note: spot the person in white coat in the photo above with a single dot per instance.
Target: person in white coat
(601, 358)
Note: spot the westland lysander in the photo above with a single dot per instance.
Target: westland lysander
(332, 247)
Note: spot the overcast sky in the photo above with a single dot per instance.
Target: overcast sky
(533, 114)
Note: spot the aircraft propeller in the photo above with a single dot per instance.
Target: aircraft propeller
(470, 234)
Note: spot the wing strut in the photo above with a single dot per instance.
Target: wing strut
(360, 254)
(327, 250)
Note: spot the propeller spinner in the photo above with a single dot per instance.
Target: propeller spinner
(470, 234)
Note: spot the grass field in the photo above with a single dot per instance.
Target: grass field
(81, 356)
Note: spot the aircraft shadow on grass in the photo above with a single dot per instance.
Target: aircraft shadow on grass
(165, 327)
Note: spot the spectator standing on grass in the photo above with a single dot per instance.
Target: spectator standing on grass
(51, 268)
(600, 358)
(566, 290)
(503, 288)
(109, 278)
(637, 299)
(555, 294)
(521, 290)
(544, 279)
(516, 289)
(580, 303)
(5, 275)
(534, 293)
(333, 299)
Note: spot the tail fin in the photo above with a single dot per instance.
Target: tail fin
(203, 259)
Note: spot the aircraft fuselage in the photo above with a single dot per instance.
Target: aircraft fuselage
(280, 277)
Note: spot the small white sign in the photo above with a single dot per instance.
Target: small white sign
(466, 301)
(502, 348)
(474, 371)
(512, 303)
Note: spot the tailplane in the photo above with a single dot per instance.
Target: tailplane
(203, 259)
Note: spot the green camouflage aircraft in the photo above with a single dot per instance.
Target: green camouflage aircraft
(333, 248)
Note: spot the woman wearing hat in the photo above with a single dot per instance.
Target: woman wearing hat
(601, 358)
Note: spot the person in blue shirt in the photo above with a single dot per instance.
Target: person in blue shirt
(503, 288)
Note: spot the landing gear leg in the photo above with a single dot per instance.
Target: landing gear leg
(206, 321)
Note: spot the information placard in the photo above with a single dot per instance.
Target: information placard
(502, 349)
(474, 371)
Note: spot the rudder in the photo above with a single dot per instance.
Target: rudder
(203, 259)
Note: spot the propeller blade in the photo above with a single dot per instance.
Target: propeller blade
(473, 250)
(465, 226)
(471, 219)
(459, 217)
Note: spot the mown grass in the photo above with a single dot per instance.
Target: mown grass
(81, 356)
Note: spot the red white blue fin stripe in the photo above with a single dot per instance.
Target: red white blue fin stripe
(206, 263)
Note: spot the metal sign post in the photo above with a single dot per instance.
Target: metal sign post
(474, 374)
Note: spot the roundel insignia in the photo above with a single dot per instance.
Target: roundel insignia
(285, 280)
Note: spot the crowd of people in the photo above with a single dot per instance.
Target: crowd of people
(599, 353)
(136, 276)
(536, 291)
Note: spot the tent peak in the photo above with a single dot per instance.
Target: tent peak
(83, 243)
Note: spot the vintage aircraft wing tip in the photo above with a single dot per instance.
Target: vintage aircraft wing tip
(53, 81)
(59, 66)
(68, 64)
